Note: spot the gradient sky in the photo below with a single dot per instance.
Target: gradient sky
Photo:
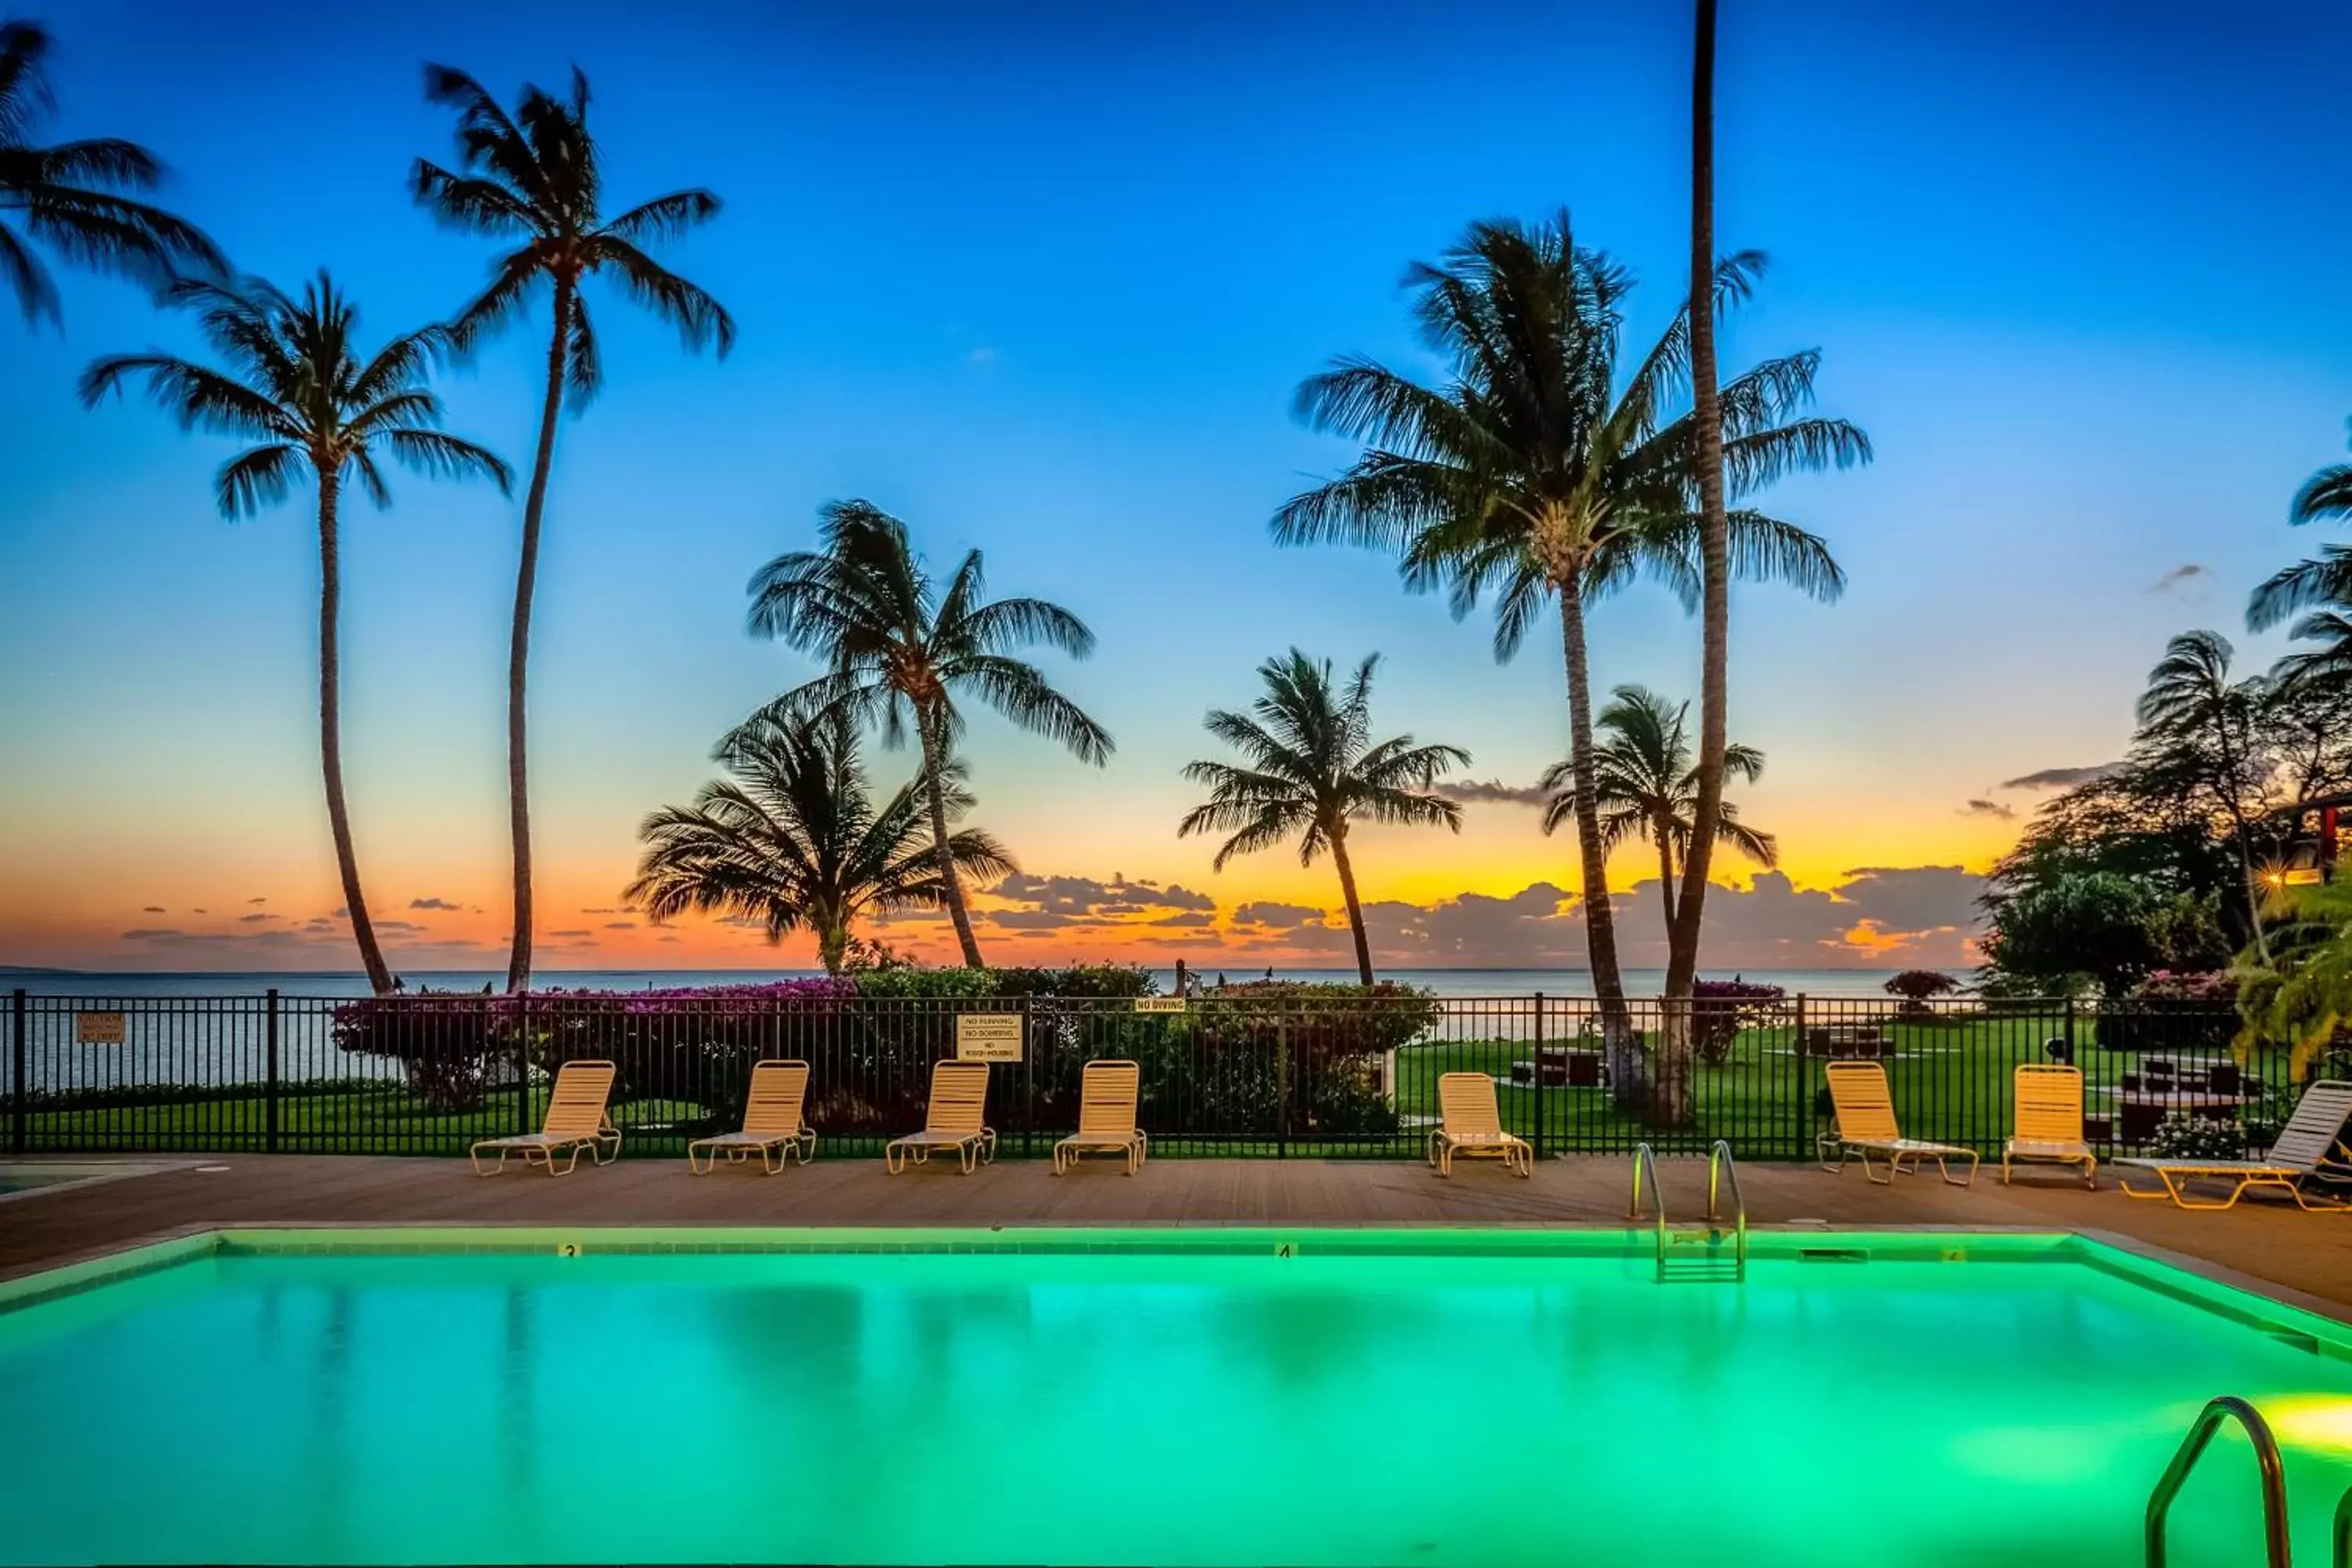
(1041, 279)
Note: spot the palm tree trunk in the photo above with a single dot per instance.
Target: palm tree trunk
(1355, 908)
(934, 765)
(2245, 851)
(1665, 870)
(330, 732)
(832, 943)
(1671, 1104)
(1621, 1044)
(534, 508)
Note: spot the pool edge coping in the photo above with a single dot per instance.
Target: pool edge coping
(2145, 1264)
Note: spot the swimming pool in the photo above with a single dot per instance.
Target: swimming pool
(1203, 1397)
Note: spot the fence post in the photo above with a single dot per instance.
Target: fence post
(1281, 1082)
(1028, 1088)
(269, 1037)
(2075, 1055)
(1539, 1075)
(1800, 1063)
(522, 1061)
(20, 1091)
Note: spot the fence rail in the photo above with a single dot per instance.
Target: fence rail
(1228, 1074)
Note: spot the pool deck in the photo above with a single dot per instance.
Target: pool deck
(2262, 1244)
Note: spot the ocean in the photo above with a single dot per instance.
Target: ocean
(1825, 982)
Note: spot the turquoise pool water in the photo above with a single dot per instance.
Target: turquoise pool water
(1454, 1399)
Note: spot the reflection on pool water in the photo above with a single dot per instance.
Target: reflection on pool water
(1437, 1399)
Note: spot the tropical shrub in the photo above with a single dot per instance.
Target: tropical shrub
(2302, 997)
(1721, 1009)
(1919, 985)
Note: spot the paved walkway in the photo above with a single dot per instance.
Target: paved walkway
(2273, 1246)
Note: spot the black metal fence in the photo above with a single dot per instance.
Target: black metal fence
(1222, 1073)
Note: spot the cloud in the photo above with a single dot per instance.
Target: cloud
(567, 934)
(1278, 916)
(260, 901)
(1083, 896)
(149, 935)
(623, 909)
(249, 920)
(1923, 915)
(2188, 576)
(1192, 918)
(435, 904)
(2060, 778)
(398, 925)
(154, 909)
(1988, 808)
(983, 354)
(1490, 792)
(620, 925)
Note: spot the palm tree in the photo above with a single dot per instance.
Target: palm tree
(2191, 700)
(292, 380)
(1312, 768)
(795, 841)
(68, 197)
(2330, 663)
(899, 647)
(2326, 579)
(536, 177)
(1532, 472)
(1708, 816)
(1647, 785)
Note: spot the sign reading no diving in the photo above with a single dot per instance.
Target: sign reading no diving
(987, 1036)
(98, 1029)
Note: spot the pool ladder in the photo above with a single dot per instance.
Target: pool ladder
(2201, 1432)
(1695, 1253)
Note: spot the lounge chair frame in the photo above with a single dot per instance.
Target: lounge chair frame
(775, 1123)
(2048, 1121)
(577, 1117)
(1866, 1127)
(955, 1119)
(1471, 1127)
(2310, 1156)
(1107, 1094)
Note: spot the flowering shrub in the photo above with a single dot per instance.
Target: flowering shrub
(2182, 1136)
(2187, 985)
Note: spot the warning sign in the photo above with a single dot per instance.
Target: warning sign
(1160, 1004)
(97, 1028)
(987, 1036)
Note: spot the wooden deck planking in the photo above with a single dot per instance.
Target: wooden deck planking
(2275, 1245)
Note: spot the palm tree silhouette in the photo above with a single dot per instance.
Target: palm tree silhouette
(68, 197)
(292, 380)
(795, 841)
(1530, 472)
(1311, 768)
(536, 176)
(1647, 785)
(901, 648)
(2191, 700)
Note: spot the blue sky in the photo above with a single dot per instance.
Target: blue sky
(1041, 279)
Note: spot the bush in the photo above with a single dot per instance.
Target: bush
(1917, 985)
(1721, 1009)
(2211, 985)
(965, 984)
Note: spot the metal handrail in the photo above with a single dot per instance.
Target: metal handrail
(1720, 1167)
(1645, 1157)
(2341, 1553)
(2266, 1453)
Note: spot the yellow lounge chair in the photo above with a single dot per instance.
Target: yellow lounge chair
(575, 1121)
(773, 1125)
(2309, 1158)
(2050, 1122)
(954, 1120)
(1473, 1126)
(1106, 1099)
(1866, 1126)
